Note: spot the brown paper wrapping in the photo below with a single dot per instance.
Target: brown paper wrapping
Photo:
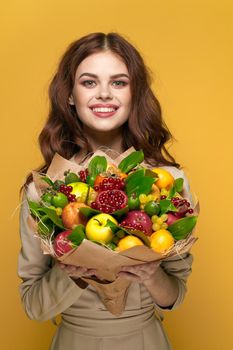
(111, 289)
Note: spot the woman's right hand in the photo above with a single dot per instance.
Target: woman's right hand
(76, 272)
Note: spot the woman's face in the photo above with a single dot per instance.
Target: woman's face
(101, 93)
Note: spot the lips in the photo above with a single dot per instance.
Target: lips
(104, 110)
(104, 106)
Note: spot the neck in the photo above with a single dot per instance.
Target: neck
(112, 140)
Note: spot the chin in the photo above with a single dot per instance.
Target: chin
(106, 125)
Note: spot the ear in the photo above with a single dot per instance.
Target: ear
(71, 100)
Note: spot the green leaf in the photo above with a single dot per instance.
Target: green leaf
(57, 184)
(38, 211)
(166, 205)
(138, 183)
(33, 206)
(89, 212)
(77, 235)
(97, 165)
(119, 213)
(134, 175)
(71, 177)
(113, 226)
(179, 184)
(45, 226)
(177, 187)
(53, 216)
(48, 180)
(172, 192)
(110, 246)
(182, 227)
(131, 161)
(151, 173)
(90, 180)
(120, 234)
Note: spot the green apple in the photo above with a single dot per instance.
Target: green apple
(80, 189)
(96, 229)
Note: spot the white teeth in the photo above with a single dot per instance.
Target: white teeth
(103, 109)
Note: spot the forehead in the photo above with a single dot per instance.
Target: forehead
(102, 63)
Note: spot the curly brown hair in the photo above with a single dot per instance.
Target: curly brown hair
(145, 128)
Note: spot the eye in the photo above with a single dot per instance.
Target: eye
(120, 82)
(88, 83)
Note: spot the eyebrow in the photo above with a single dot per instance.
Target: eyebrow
(112, 76)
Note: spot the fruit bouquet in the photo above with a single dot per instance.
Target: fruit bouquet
(109, 213)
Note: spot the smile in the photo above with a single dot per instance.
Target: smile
(103, 109)
(103, 112)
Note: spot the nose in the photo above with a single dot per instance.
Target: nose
(104, 92)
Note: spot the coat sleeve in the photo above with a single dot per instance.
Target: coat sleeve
(45, 290)
(179, 266)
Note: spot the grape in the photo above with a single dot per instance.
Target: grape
(160, 221)
(164, 217)
(150, 197)
(154, 218)
(143, 198)
(164, 225)
(156, 226)
(59, 211)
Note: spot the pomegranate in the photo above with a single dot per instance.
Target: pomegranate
(138, 220)
(108, 183)
(183, 207)
(62, 244)
(110, 201)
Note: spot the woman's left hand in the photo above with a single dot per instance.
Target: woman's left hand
(139, 273)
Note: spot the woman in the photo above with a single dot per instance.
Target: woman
(101, 96)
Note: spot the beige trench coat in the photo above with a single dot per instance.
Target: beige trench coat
(47, 291)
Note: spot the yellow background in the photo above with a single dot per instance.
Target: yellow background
(188, 45)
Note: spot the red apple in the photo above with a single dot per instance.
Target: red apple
(71, 216)
(139, 220)
(62, 244)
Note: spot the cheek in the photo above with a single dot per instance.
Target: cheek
(128, 99)
(81, 97)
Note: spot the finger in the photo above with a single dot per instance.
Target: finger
(147, 267)
(90, 272)
(73, 268)
(62, 266)
(132, 269)
(129, 276)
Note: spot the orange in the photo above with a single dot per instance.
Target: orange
(165, 179)
(128, 242)
(161, 240)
